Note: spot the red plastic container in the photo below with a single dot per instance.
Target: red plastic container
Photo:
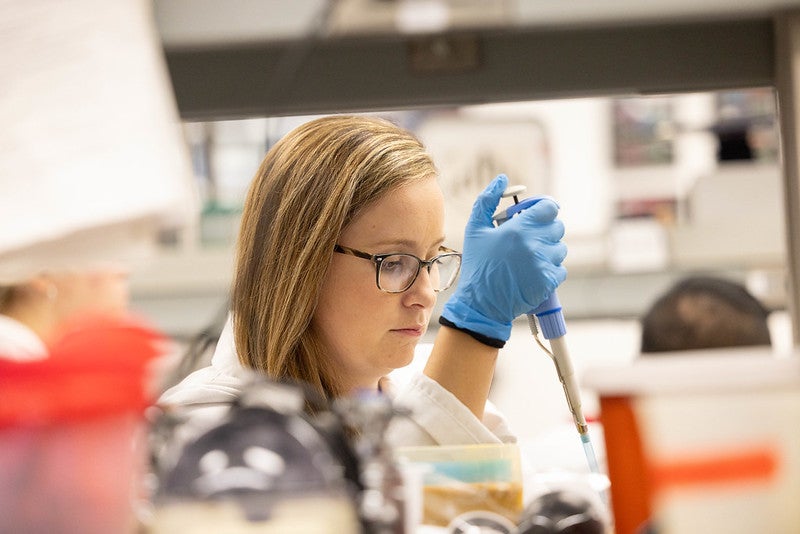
(72, 430)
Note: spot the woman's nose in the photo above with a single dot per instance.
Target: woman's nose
(421, 291)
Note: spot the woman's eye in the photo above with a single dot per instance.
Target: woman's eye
(392, 264)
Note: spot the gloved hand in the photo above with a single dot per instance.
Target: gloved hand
(506, 270)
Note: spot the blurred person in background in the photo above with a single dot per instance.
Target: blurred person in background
(32, 312)
(704, 312)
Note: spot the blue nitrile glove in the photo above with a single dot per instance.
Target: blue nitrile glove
(506, 270)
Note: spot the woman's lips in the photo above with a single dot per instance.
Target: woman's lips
(411, 331)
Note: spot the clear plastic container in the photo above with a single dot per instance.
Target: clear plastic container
(457, 479)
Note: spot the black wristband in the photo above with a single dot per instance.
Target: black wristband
(486, 340)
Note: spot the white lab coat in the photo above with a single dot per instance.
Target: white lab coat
(18, 342)
(436, 416)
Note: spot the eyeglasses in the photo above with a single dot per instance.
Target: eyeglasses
(396, 272)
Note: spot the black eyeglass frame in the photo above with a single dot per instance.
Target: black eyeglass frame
(377, 259)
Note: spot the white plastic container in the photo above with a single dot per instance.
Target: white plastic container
(705, 441)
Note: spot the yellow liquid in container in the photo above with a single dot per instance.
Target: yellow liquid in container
(441, 504)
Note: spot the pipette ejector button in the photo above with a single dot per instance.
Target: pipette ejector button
(503, 215)
(511, 191)
(514, 191)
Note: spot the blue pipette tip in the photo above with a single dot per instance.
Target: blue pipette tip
(594, 467)
(588, 450)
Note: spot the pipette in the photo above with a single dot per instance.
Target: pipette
(551, 321)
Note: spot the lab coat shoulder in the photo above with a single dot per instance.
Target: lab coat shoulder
(205, 386)
(219, 383)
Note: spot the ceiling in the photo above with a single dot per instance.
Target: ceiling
(187, 23)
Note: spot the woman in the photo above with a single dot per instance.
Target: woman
(340, 256)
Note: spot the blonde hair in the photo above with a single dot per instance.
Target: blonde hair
(7, 296)
(309, 187)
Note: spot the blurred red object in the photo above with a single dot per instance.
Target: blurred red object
(71, 429)
(97, 366)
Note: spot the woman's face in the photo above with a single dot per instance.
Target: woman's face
(103, 289)
(367, 331)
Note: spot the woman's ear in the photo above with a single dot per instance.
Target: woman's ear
(43, 286)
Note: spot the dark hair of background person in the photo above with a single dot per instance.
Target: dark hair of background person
(702, 312)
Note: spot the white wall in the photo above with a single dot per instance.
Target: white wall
(579, 149)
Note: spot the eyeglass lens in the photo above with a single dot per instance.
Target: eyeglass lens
(398, 272)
